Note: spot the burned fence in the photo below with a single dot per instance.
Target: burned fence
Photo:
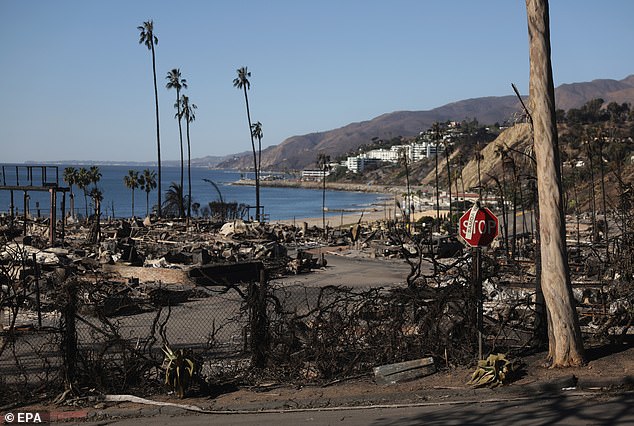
(69, 319)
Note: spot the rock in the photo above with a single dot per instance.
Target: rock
(235, 227)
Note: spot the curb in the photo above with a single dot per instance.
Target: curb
(558, 387)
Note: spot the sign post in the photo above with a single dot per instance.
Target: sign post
(478, 227)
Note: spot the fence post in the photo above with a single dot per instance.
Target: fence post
(69, 333)
(259, 321)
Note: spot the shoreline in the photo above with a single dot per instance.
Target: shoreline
(385, 210)
(332, 186)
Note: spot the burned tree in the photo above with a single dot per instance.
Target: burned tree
(565, 343)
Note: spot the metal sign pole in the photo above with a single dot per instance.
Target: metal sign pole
(478, 262)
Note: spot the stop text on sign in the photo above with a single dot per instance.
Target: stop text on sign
(480, 226)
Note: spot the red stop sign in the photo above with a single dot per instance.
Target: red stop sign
(478, 227)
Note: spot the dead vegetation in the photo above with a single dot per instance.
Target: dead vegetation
(96, 315)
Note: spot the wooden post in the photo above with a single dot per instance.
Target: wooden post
(37, 292)
(52, 216)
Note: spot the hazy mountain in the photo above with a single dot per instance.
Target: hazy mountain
(298, 152)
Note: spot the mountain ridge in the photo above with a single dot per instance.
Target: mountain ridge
(301, 151)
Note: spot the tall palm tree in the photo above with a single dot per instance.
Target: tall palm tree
(174, 81)
(187, 111)
(147, 182)
(242, 82)
(148, 38)
(70, 177)
(131, 181)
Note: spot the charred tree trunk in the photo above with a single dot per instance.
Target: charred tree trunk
(565, 343)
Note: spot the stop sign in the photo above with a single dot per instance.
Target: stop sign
(478, 227)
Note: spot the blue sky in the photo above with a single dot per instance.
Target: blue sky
(76, 85)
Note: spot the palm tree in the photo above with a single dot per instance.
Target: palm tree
(403, 159)
(256, 130)
(242, 82)
(148, 38)
(324, 163)
(479, 157)
(590, 154)
(436, 128)
(447, 155)
(97, 196)
(131, 181)
(600, 144)
(70, 177)
(176, 82)
(173, 204)
(187, 111)
(147, 182)
(83, 180)
(502, 152)
(94, 175)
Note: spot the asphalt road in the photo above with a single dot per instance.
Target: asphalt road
(579, 409)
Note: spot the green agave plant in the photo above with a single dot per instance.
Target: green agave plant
(493, 371)
(179, 369)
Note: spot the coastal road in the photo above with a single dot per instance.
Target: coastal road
(595, 409)
(353, 271)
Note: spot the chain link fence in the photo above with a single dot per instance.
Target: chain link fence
(81, 329)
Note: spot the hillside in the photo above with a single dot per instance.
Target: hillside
(298, 152)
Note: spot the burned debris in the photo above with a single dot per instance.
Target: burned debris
(228, 294)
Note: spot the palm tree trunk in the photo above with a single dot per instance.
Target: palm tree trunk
(158, 133)
(180, 138)
(449, 189)
(255, 160)
(189, 173)
(595, 233)
(437, 183)
(506, 222)
(603, 197)
(132, 203)
(565, 344)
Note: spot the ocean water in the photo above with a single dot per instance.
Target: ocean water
(279, 203)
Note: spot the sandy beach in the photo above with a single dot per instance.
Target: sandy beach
(369, 215)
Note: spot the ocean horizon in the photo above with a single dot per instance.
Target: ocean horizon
(280, 203)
